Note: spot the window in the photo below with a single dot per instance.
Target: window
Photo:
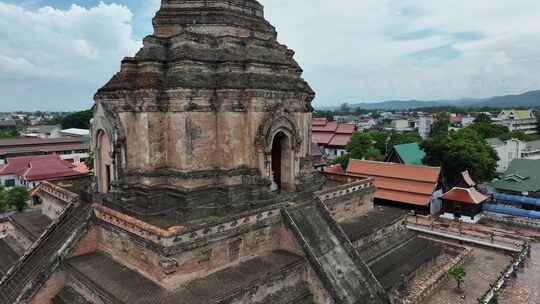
(9, 183)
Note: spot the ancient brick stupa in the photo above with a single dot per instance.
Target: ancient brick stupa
(212, 106)
(204, 188)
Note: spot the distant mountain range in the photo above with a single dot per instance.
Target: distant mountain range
(528, 100)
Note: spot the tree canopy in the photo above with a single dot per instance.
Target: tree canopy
(482, 118)
(488, 129)
(374, 144)
(13, 198)
(460, 151)
(79, 120)
(8, 134)
(441, 125)
(17, 198)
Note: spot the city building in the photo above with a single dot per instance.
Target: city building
(531, 150)
(43, 131)
(8, 125)
(403, 186)
(507, 151)
(71, 149)
(401, 125)
(522, 178)
(518, 120)
(425, 122)
(319, 157)
(213, 198)
(512, 149)
(77, 133)
(30, 171)
(332, 136)
(407, 154)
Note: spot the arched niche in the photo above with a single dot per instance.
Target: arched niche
(105, 170)
(279, 140)
(282, 162)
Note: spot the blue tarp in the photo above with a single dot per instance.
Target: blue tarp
(511, 211)
(514, 199)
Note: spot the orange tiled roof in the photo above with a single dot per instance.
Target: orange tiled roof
(334, 169)
(397, 182)
(340, 140)
(464, 195)
(322, 138)
(393, 170)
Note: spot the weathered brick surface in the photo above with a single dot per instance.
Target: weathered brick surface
(54, 284)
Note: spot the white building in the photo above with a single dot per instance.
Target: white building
(513, 149)
(401, 125)
(425, 122)
(518, 120)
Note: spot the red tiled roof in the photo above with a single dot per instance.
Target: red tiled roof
(456, 119)
(23, 141)
(346, 129)
(464, 195)
(33, 168)
(340, 140)
(468, 179)
(403, 197)
(397, 182)
(329, 127)
(321, 138)
(45, 148)
(334, 169)
(393, 170)
(319, 121)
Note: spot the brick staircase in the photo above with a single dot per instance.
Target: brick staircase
(344, 275)
(42, 259)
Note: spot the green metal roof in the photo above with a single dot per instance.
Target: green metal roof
(523, 175)
(411, 154)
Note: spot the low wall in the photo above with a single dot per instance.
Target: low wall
(512, 220)
(491, 296)
(440, 277)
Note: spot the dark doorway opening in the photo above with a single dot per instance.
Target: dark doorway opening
(108, 177)
(277, 154)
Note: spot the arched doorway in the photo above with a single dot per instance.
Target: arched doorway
(104, 162)
(282, 156)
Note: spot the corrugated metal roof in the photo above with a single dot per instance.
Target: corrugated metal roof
(411, 154)
(523, 175)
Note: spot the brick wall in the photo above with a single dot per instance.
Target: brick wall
(88, 244)
(53, 285)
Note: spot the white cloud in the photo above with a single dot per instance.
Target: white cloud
(65, 54)
(350, 51)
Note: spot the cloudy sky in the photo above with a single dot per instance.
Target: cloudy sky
(54, 54)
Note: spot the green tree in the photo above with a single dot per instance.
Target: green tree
(362, 146)
(458, 273)
(79, 120)
(324, 114)
(343, 161)
(3, 202)
(441, 125)
(488, 129)
(17, 198)
(482, 118)
(397, 138)
(8, 134)
(538, 123)
(89, 162)
(345, 108)
(460, 151)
